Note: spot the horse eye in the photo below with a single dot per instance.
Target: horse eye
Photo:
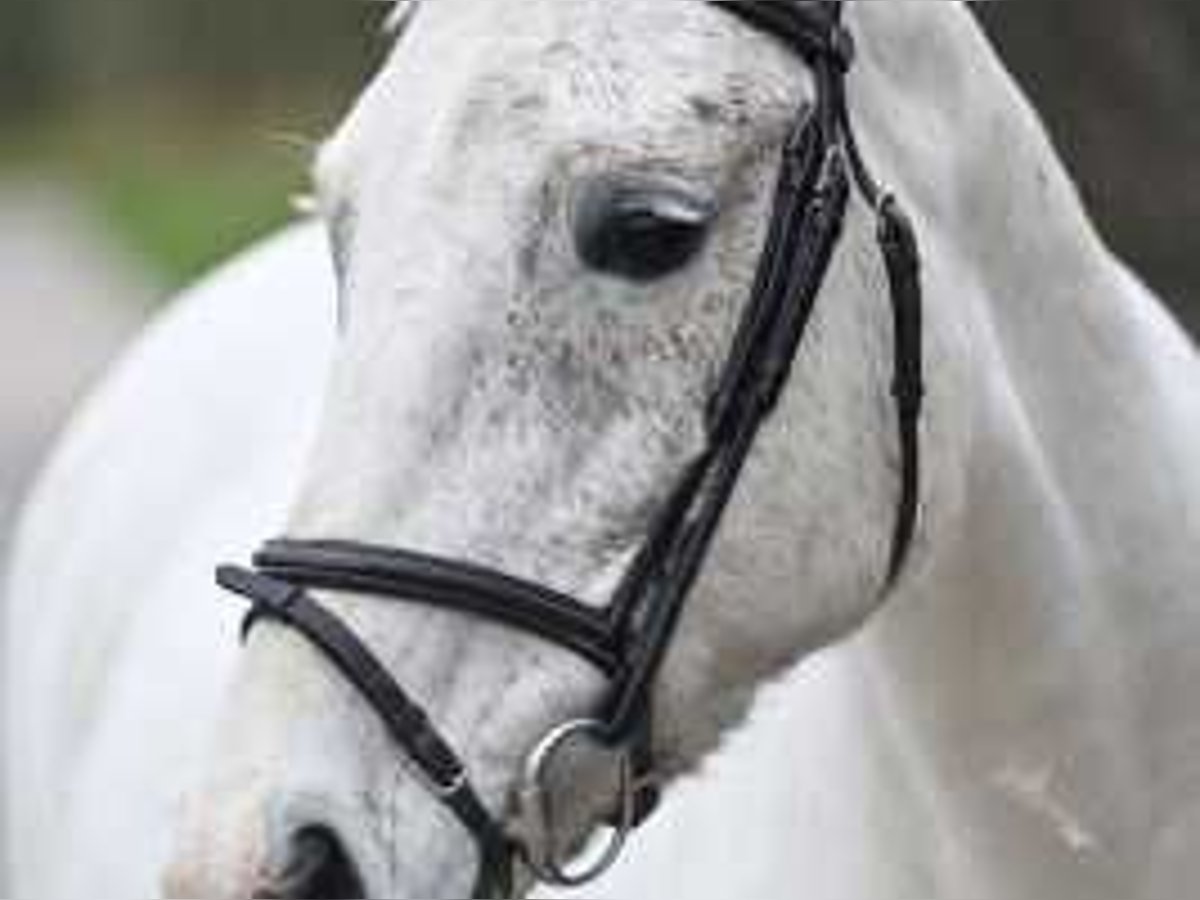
(640, 231)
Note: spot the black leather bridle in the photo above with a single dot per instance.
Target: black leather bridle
(630, 638)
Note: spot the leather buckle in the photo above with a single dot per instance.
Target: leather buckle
(537, 830)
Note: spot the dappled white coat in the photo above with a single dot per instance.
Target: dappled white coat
(1019, 723)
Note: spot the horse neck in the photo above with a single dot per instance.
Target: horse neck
(1030, 674)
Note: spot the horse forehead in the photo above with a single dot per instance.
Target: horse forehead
(538, 82)
(607, 54)
(473, 71)
(588, 22)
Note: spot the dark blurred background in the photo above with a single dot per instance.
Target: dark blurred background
(1118, 82)
(143, 140)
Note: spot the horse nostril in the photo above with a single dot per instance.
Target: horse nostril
(318, 867)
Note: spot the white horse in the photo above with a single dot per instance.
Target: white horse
(1019, 720)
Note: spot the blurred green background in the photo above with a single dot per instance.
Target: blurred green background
(185, 125)
(141, 142)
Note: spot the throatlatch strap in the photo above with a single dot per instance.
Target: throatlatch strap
(664, 584)
(815, 30)
(902, 259)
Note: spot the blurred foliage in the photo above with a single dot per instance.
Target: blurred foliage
(213, 52)
(181, 196)
(187, 124)
(27, 60)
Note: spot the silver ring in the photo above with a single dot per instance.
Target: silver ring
(535, 804)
